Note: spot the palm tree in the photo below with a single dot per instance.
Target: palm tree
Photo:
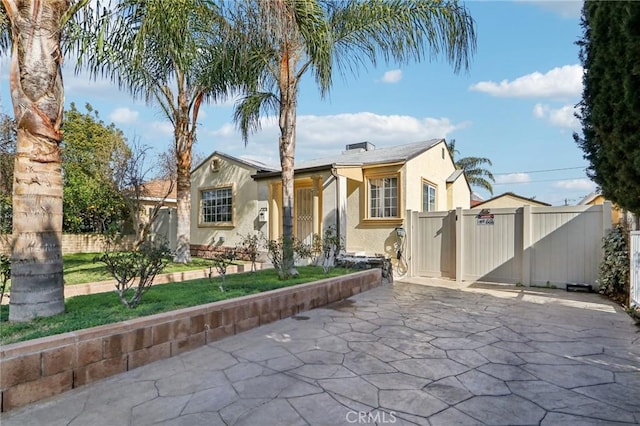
(37, 94)
(173, 53)
(297, 36)
(473, 167)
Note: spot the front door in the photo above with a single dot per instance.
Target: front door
(304, 215)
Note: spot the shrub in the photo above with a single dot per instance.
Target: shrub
(221, 261)
(331, 245)
(275, 253)
(249, 246)
(5, 274)
(614, 269)
(134, 271)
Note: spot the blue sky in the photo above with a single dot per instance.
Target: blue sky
(515, 105)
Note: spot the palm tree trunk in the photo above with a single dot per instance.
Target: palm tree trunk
(287, 122)
(37, 93)
(184, 143)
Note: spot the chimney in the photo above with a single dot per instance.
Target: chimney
(361, 147)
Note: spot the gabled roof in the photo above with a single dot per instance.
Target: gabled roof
(511, 194)
(158, 188)
(589, 198)
(259, 166)
(358, 158)
(455, 175)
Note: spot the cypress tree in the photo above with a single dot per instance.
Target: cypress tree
(610, 106)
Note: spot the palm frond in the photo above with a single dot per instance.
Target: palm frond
(401, 30)
(247, 111)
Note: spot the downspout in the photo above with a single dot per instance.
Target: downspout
(335, 177)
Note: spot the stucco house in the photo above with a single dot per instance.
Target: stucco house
(509, 200)
(363, 193)
(618, 215)
(160, 192)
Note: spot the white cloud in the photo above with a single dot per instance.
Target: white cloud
(320, 136)
(576, 184)
(559, 82)
(392, 76)
(564, 8)
(513, 178)
(123, 116)
(163, 127)
(562, 117)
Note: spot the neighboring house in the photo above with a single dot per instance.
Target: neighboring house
(507, 200)
(226, 202)
(617, 214)
(475, 199)
(363, 193)
(160, 191)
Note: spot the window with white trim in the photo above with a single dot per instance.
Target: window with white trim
(216, 205)
(428, 197)
(383, 197)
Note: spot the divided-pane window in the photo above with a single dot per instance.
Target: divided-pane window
(216, 205)
(383, 197)
(428, 197)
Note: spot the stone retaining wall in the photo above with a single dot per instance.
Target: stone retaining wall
(39, 368)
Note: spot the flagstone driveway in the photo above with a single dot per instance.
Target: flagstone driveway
(429, 352)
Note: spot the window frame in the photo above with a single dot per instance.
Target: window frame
(218, 224)
(382, 173)
(433, 186)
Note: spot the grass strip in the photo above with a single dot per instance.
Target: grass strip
(104, 308)
(79, 268)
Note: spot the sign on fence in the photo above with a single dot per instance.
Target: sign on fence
(634, 252)
(485, 218)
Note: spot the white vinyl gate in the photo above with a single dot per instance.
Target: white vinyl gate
(634, 252)
(539, 246)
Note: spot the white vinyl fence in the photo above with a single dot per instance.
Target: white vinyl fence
(540, 246)
(634, 251)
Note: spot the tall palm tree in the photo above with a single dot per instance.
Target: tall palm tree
(474, 168)
(33, 30)
(175, 54)
(297, 36)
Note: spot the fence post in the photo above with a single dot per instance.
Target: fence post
(526, 245)
(409, 232)
(459, 242)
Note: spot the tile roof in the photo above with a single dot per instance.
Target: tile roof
(158, 188)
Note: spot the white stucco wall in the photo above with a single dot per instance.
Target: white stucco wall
(432, 167)
(245, 203)
(379, 237)
(460, 194)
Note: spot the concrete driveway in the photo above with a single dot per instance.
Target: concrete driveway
(428, 352)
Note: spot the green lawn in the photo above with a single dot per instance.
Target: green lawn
(79, 268)
(105, 308)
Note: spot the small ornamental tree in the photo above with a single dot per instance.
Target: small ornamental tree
(275, 253)
(332, 245)
(221, 262)
(249, 246)
(134, 271)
